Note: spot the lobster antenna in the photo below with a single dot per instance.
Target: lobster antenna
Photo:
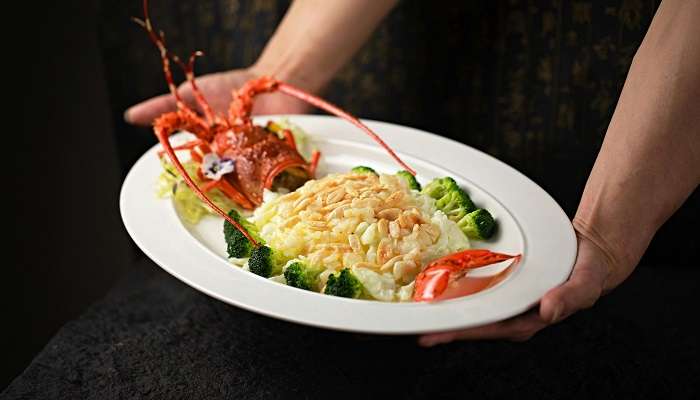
(242, 105)
(188, 69)
(324, 105)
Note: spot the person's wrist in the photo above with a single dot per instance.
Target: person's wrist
(276, 102)
(293, 69)
(619, 249)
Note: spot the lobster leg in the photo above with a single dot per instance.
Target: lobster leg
(185, 146)
(289, 138)
(235, 194)
(315, 156)
(163, 127)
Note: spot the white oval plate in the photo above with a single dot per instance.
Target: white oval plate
(530, 222)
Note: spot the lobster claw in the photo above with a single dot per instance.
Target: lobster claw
(433, 280)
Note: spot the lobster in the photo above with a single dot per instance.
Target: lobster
(256, 155)
(242, 159)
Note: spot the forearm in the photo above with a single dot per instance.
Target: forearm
(317, 37)
(650, 159)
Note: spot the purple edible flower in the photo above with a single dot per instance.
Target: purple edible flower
(214, 167)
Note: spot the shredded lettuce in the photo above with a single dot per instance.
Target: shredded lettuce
(379, 286)
(188, 205)
(301, 138)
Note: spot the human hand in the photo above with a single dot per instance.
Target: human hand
(595, 272)
(217, 88)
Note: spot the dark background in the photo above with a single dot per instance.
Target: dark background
(533, 83)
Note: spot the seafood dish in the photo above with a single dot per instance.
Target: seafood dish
(358, 234)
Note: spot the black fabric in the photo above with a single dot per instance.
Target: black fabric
(155, 337)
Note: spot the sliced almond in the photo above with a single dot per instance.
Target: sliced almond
(301, 204)
(355, 244)
(432, 231)
(383, 228)
(390, 264)
(291, 221)
(423, 238)
(394, 229)
(316, 224)
(404, 271)
(384, 251)
(335, 196)
(394, 199)
(389, 213)
(338, 212)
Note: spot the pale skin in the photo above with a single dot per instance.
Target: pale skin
(652, 144)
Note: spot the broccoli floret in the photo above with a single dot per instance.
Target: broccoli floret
(449, 198)
(266, 262)
(237, 244)
(344, 284)
(456, 204)
(478, 224)
(410, 179)
(302, 276)
(361, 169)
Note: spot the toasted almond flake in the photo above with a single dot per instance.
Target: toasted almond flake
(371, 254)
(301, 204)
(311, 215)
(351, 259)
(302, 196)
(361, 228)
(316, 257)
(368, 265)
(413, 255)
(332, 262)
(409, 219)
(357, 177)
(316, 224)
(291, 221)
(335, 196)
(423, 238)
(384, 251)
(390, 264)
(432, 231)
(292, 196)
(404, 271)
(395, 198)
(338, 212)
(332, 247)
(394, 229)
(383, 228)
(363, 213)
(354, 242)
(404, 221)
(389, 213)
(331, 207)
(369, 236)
